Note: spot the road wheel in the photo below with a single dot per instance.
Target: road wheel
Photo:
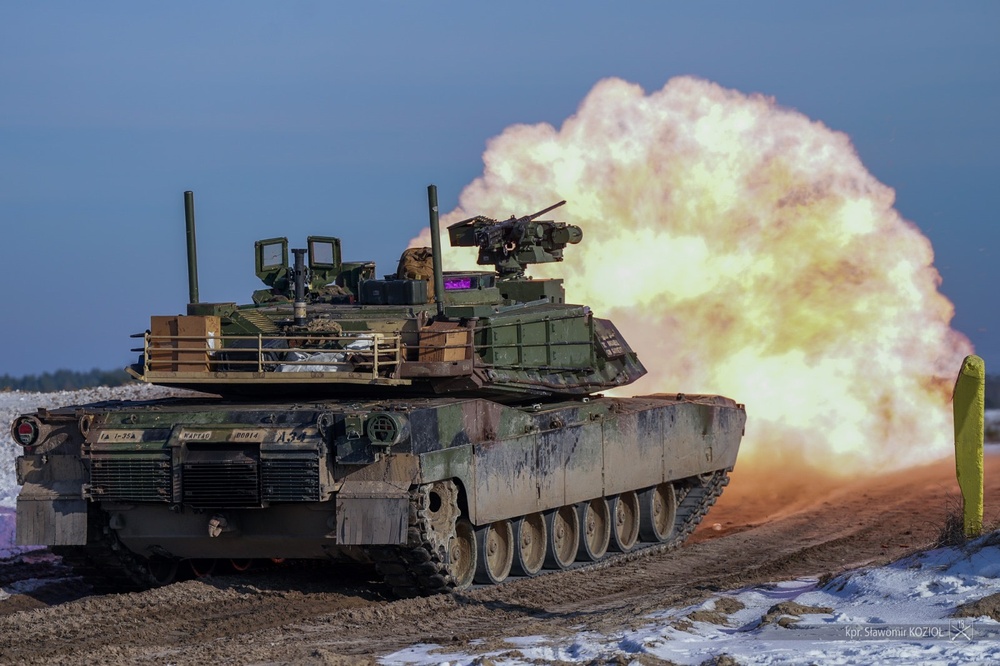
(202, 568)
(495, 552)
(462, 554)
(564, 536)
(658, 510)
(162, 569)
(241, 565)
(625, 524)
(530, 535)
(595, 529)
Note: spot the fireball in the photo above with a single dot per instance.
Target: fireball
(743, 249)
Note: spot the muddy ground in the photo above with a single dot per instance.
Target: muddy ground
(762, 529)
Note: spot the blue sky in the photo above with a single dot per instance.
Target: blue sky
(310, 117)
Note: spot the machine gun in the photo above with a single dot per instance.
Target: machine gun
(511, 245)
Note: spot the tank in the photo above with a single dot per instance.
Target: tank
(446, 426)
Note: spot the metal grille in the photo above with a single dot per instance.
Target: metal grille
(130, 479)
(290, 480)
(221, 484)
(259, 320)
(382, 429)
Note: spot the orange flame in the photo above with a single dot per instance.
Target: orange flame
(743, 249)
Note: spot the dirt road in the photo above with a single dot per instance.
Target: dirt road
(765, 527)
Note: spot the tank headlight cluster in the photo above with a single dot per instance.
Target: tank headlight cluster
(25, 430)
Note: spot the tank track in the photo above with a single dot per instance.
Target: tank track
(104, 563)
(420, 569)
(693, 502)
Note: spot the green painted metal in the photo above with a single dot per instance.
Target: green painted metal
(339, 417)
(325, 264)
(432, 205)
(271, 262)
(192, 247)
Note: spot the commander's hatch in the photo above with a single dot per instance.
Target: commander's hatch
(272, 262)
(325, 264)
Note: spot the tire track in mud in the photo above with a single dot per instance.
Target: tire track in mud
(282, 616)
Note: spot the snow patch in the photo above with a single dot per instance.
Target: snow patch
(896, 614)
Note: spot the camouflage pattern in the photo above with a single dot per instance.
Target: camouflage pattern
(448, 442)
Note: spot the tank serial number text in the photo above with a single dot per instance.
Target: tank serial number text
(196, 435)
(120, 436)
(246, 436)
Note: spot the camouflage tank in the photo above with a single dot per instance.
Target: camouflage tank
(445, 426)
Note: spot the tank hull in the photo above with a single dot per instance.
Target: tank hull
(182, 480)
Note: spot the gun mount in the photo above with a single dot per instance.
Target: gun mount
(511, 245)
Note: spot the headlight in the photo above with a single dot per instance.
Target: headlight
(25, 430)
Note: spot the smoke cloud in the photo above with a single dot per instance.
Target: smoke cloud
(743, 249)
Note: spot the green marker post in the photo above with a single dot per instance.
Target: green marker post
(969, 403)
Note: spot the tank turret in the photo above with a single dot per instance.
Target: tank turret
(326, 327)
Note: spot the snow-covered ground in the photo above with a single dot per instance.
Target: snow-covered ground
(898, 614)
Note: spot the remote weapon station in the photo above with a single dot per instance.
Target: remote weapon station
(445, 426)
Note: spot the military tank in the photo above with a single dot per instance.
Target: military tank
(446, 426)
